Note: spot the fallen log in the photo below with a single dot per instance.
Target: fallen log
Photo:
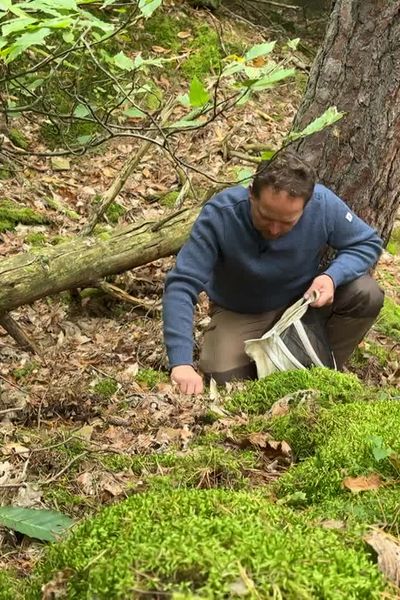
(83, 262)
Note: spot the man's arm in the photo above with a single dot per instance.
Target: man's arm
(194, 266)
(358, 245)
(358, 248)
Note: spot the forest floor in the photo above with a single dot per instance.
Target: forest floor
(79, 421)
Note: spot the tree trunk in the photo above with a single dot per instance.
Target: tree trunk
(358, 70)
(83, 262)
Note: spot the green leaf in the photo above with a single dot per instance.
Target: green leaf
(330, 116)
(268, 154)
(292, 44)
(198, 94)
(18, 24)
(123, 62)
(135, 113)
(244, 176)
(379, 449)
(68, 37)
(81, 111)
(259, 50)
(186, 123)
(147, 7)
(184, 100)
(26, 40)
(39, 524)
(5, 5)
(271, 79)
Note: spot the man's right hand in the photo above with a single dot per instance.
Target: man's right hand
(187, 379)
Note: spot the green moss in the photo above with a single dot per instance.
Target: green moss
(162, 30)
(361, 511)
(63, 134)
(18, 138)
(203, 542)
(206, 53)
(12, 213)
(106, 387)
(258, 396)
(9, 586)
(370, 350)
(394, 244)
(389, 319)
(66, 501)
(55, 205)
(349, 440)
(114, 212)
(169, 200)
(150, 378)
(25, 371)
(36, 238)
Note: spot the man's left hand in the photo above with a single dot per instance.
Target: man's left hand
(322, 284)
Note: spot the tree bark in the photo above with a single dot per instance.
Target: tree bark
(83, 262)
(358, 70)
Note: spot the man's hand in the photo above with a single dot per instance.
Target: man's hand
(186, 378)
(322, 284)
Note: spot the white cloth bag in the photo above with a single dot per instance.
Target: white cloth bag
(271, 354)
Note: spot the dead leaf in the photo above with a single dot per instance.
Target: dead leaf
(28, 496)
(108, 483)
(183, 35)
(57, 587)
(159, 49)
(387, 548)
(214, 394)
(14, 448)
(85, 432)
(58, 163)
(258, 439)
(279, 408)
(86, 482)
(333, 524)
(363, 483)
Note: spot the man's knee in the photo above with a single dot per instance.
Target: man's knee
(360, 298)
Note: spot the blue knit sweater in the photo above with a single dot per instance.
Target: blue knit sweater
(229, 259)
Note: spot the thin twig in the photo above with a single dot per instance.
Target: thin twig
(63, 470)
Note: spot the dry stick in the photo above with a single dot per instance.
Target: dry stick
(8, 410)
(116, 292)
(244, 156)
(17, 333)
(57, 475)
(122, 178)
(277, 4)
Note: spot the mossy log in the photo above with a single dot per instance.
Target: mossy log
(84, 261)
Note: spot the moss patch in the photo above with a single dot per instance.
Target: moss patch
(106, 387)
(258, 396)
(169, 200)
(12, 213)
(389, 319)
(150, 378)
(208, 543)
(9, 586)
(349, 440)
(206, 53)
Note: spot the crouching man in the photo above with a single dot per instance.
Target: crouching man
(255, 251)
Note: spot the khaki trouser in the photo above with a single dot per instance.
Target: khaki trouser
(354, 310)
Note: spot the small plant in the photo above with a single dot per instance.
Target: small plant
(150, 378)
(106, 387)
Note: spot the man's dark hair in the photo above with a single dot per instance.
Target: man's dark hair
(285, 172)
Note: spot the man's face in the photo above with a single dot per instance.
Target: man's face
(275, 213)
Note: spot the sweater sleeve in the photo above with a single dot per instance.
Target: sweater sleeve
(194, 266)
(358, 245)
